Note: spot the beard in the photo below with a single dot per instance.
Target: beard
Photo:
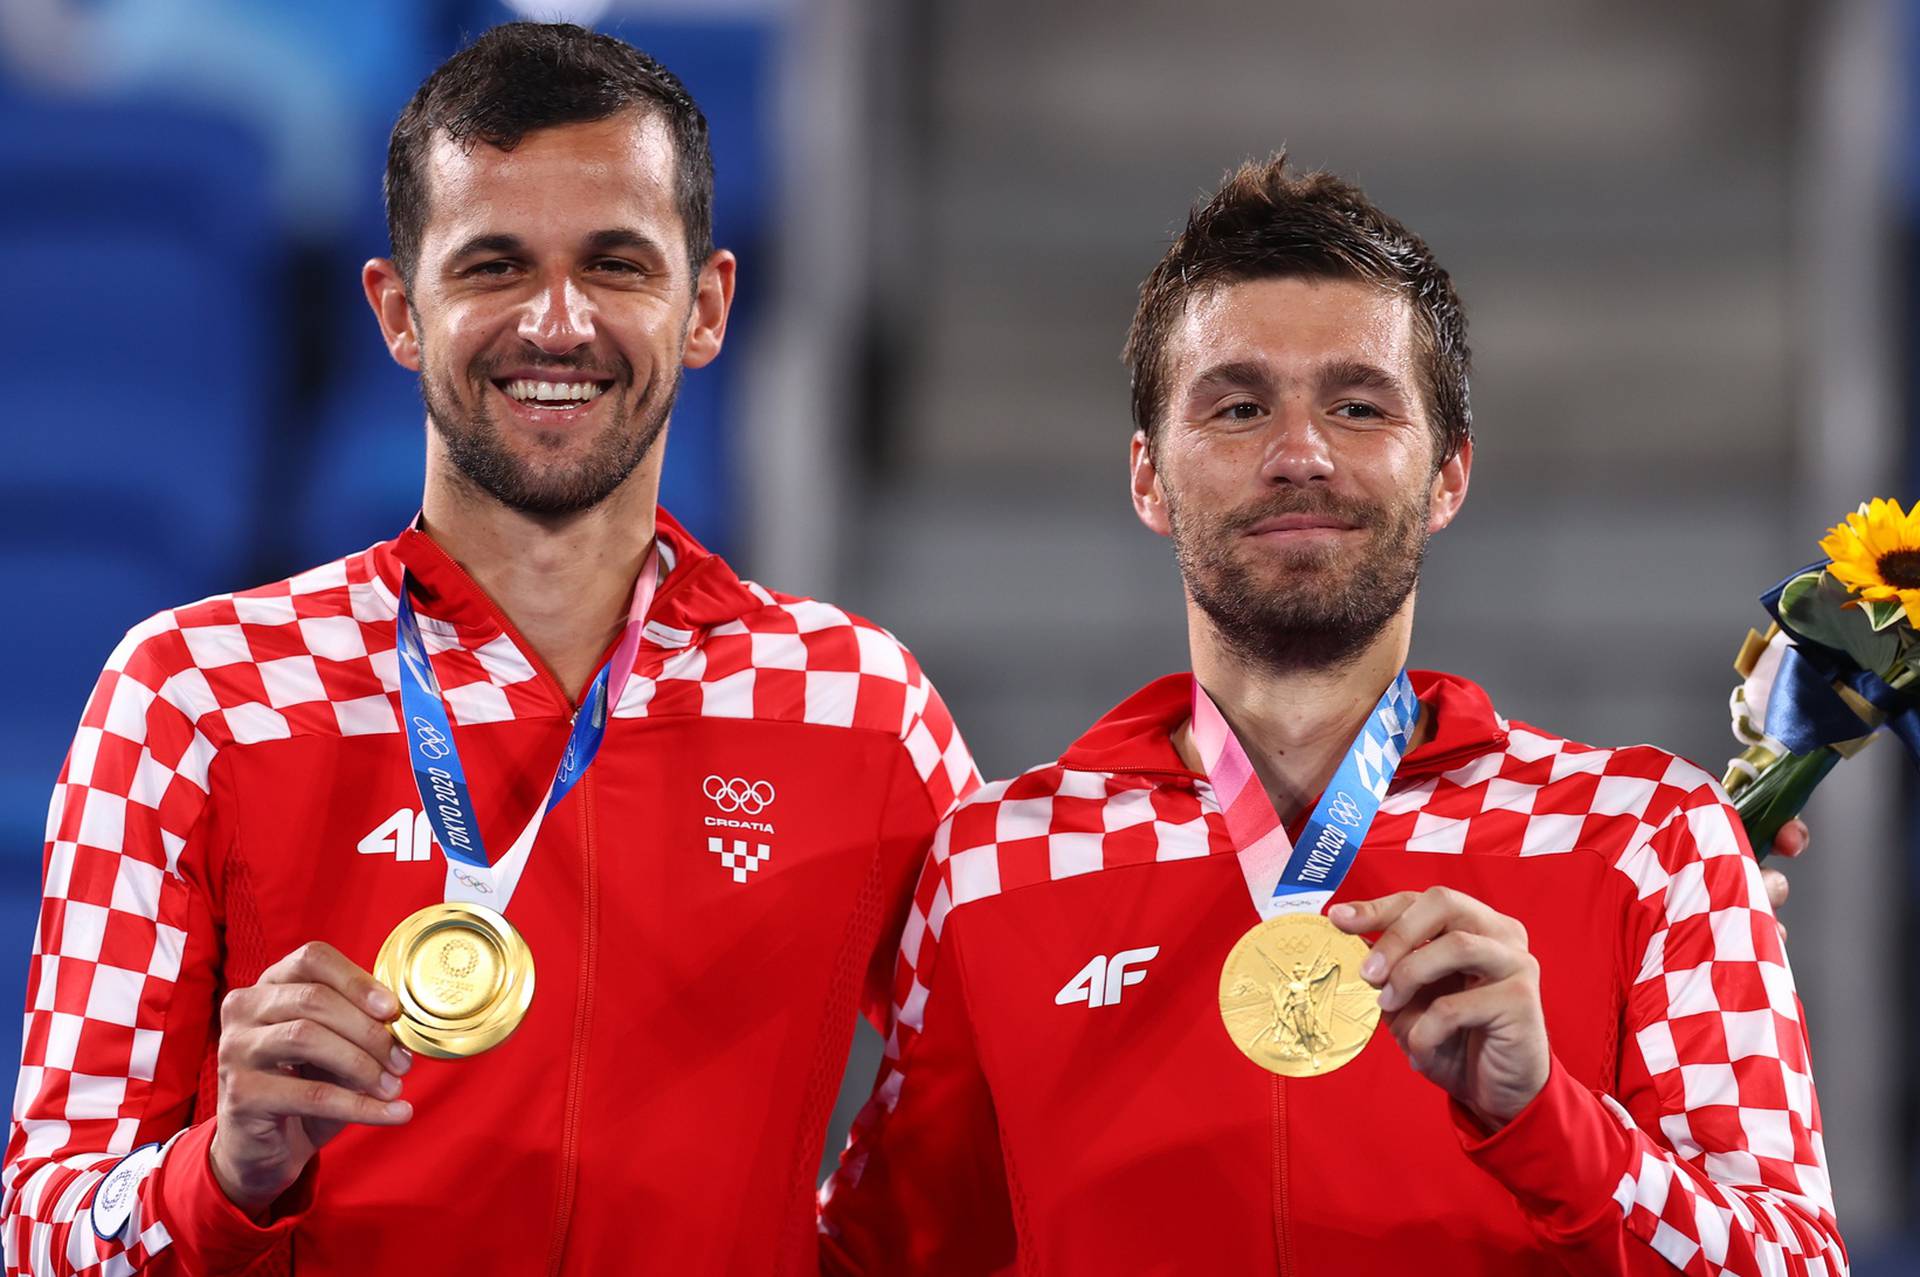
(480, 451)
(1308, 608)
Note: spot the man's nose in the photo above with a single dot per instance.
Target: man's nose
(558, 319)
(1297, 449)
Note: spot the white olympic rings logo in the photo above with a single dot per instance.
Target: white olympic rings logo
(432, 743)
(748, 797)
(1345, 810)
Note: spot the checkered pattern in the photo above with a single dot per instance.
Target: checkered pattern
(1727, 1172)
(1378, 755)
(315, 656)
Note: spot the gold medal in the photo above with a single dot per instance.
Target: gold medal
(463, 975)
(1292, 998)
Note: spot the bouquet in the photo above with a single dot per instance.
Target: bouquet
(1840, 662)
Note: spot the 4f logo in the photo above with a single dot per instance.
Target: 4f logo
(405, 835)
(1099, 982)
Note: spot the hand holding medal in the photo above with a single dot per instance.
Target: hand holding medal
(1460, 993)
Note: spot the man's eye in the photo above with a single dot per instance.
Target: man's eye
(1242, 411)
(1357, 411)
(490, 268)
(616, 266)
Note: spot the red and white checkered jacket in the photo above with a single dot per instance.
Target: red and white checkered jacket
(706, 911)
(1059, 1091)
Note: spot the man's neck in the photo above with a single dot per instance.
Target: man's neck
(566, 583)
(1296, 725)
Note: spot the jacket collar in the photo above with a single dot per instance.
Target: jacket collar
(1137, 734)
(700, 591)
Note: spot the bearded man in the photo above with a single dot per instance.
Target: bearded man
(540, 733)
(1574, 948)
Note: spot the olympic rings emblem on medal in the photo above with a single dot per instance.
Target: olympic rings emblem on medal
(1344, 809)
(432, 743)
(750, 798)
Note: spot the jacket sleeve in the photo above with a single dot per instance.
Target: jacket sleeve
(937, 773)
(921, 1187)
(1709, 1157)
(103, 1173)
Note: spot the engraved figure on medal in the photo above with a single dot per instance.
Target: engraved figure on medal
(1291, 999)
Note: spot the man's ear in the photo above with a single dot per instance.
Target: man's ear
(1149, 498)
(712, 300)
(1450, 487)
(387, 294)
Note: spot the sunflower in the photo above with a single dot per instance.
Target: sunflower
(1876, 554)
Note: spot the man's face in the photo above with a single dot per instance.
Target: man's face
(1295, 469)
(551, 305)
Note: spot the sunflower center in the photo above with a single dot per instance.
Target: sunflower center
(1901, 569)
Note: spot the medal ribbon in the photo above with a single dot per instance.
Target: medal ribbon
(441, 780)
(1283, 877)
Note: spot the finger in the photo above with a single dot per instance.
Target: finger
(1426, 1031)
(267, 1004)
(1455, 954)
(291, 1045)
(1436, 910)
(319, 963)
(1793, 838)
(1778, 888)
(279, 1095)
(1357, 916)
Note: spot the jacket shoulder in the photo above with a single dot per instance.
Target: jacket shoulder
(265, 662)
(1054, 822)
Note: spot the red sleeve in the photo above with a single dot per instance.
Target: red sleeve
(1709, 1159)
(921, 1187)
(936, 775)
(124, 973)
(211, 1234)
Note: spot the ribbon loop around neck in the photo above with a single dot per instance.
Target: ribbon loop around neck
(1283, 877)
(472, 875)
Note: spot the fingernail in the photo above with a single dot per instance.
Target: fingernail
(388, 1086)
(1373, 968)
(399, 1110)
(1389, 998)
(1342, 913)
(400, 1059)
(382, 1003)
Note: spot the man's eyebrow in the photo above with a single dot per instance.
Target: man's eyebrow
(625, 237)
(1235, 374)
(494, 242)
(1358, 374)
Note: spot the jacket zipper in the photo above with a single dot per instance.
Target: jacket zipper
(1282, 1233)
(582, 1025)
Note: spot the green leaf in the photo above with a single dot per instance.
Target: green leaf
(1883, 612)
(1815, 604)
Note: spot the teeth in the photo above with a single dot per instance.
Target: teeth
(561, 391)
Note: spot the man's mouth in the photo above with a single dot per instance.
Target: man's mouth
(1286, 524)
(555, 394)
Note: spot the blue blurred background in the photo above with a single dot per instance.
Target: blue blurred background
(1682, 233)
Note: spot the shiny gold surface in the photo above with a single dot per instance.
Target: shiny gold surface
(1292, 998)
(463, 975)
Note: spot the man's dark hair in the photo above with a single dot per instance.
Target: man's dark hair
(523, 76)
(1267, 223)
